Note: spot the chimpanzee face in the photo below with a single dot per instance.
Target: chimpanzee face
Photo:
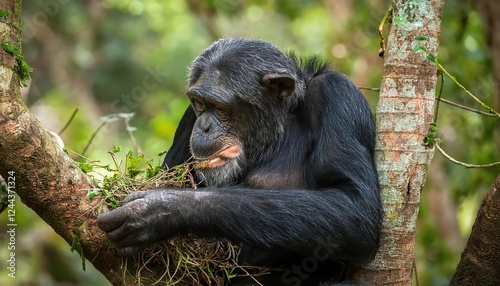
(242, 103)
(213, 138)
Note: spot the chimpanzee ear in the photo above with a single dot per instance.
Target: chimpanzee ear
(283, 84)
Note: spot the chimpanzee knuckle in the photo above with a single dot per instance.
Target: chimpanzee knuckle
(135, 225)
(135, 237)
(130, 233)
(160, 197)
(135, 210)
(134, 196)
(117, 235)
(144, 238)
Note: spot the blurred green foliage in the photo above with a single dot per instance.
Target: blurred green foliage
(132, 56)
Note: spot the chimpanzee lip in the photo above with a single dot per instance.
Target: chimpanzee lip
(228, 152)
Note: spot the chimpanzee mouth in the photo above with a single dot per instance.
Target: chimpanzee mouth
(220, 157)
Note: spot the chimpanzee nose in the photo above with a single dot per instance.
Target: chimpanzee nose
(205, 122)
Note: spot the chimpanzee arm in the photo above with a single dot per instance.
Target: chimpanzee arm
(293, 221)
(339, 211)
(179, 151)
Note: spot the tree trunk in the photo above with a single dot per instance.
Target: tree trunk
(480, 263)
(36, 168)
(404, 113)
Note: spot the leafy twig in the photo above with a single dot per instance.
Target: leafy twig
(387, 19)
(436, 108)
(462, 163)
(443, 70)
(449, 102)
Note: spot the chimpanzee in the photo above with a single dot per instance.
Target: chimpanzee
(289, 172)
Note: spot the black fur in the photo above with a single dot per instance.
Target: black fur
(302, 195)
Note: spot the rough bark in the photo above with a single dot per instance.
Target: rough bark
(44, 177)
(480, 260)
(404, 113)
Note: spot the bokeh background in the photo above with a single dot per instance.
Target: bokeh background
(131, 56)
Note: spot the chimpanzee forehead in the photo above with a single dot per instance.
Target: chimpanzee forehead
(242, 55)
(225, 84)
(241, 47)
(232, 69)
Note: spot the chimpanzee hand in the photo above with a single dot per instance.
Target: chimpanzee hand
(144, 218)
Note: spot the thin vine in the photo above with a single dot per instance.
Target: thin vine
(431, 139)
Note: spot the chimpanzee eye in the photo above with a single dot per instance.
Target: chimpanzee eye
(198, 104)
(224, 114)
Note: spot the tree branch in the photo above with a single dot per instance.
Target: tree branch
(480, 259)
(46, 179)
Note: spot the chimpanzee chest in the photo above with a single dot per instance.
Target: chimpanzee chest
(286, 169)
(275, 178)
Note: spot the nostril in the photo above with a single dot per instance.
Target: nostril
(205, 123)
(205, 126)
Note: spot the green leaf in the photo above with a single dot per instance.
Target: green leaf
(3, 14)
(134, 163)
(92, 193)
(401, 21)
(151, 172)
(86, 167)
(433, 127)
(10, 48)
(431, 58)
(77, 246)
(417, 48)
(420, 38)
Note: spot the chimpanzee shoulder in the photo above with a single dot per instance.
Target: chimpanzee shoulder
(311, 66)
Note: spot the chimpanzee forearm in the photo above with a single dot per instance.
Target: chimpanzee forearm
(269, 219)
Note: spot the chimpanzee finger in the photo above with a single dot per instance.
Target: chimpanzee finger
(130, 244)
(113, 219)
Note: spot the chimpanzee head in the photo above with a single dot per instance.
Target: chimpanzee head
(242, 92)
